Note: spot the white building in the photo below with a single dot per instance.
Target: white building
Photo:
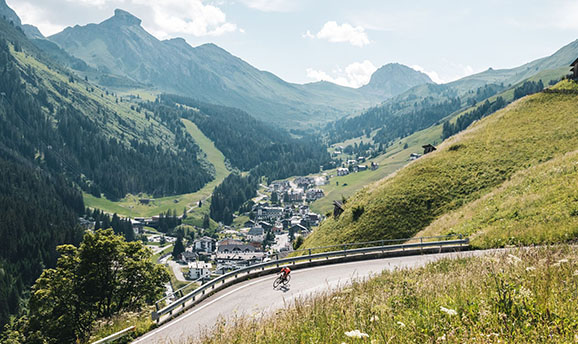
(199, 269)
(204, 244)
(256, 234)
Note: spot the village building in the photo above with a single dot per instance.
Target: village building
(266, 225)
(314, 194)
(414, 156)
(256, 234)
(428, 148)
(374, 166)
(188, 256)
(199, 269)
(342, 171)
(249, 224)
(204, 244)
(267, 213)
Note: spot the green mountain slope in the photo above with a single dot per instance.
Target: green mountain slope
(121, 46)
(465, 167)
(103, 143)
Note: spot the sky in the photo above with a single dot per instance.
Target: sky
(341, 41)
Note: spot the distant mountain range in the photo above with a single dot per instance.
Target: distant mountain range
(120, 46)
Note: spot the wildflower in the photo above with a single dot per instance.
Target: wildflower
(356, 334)
(562, 261)
(402, 325)
(513, 259)
(374, 318)
(575, 273)
(525, 292)
(530, 268)
(448, 311)
(441, 339)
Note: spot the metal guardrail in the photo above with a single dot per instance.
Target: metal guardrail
(115, 336)
(208, 287)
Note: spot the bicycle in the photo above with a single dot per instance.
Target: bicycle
(280, 280)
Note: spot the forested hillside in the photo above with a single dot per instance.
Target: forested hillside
(103, 143)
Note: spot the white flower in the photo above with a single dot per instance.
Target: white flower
(513, 259)
(374, 318)
(448, 311)
(356, 334)
(525, 292)
(562, 261)
(576, 273)
(402, 325)
(530, 268)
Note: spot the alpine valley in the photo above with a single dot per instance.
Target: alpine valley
(105, 126)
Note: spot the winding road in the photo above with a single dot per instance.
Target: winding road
(257, 296)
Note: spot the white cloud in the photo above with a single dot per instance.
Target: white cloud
(30, 14)
(434, 76)
(355, 75)
(333, 32)
(271, 5)
(454, 72)
(187, 17)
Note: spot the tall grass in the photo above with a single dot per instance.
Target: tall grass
(525, 295)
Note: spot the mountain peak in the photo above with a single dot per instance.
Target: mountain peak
(122, 17)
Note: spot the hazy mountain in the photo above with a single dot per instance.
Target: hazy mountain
(121, 46)
(393, 79)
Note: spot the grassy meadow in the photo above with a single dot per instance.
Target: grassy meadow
(518, 296)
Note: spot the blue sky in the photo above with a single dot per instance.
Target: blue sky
(341, 41)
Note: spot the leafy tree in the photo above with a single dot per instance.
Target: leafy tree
(106, 275)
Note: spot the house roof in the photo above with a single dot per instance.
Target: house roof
(256, 231)
(428, 145)
(574, 63)
(300, 227)
(232, 248)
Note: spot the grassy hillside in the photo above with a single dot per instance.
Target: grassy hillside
(537, 205)
(130, 205)
(466, 167)
(396, 157)
(510, 297)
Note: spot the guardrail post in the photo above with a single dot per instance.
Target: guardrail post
(309, 255)
(345, 250)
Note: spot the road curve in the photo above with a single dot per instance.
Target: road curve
(257, 296)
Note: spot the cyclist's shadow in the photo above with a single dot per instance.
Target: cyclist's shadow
(284, 288)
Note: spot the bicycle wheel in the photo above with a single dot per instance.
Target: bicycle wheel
(277, 281)
(287, 279)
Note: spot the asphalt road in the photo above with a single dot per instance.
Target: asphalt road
(257, 296)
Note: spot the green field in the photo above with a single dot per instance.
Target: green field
(467, 167)
(130, 205)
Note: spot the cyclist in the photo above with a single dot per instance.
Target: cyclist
(285, 271)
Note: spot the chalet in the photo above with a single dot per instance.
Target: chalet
(299, 229)
(342, 171)
(228, 241)
(188, 256)
(414, 156)
(314, 194)
(361, 168)
(199, 269)
(337, 209)
(204, 244)
(304, 209)
(280, 186)
(351, 162)
(256, 234)
(295, 196)
(267, 213)
(265, 225)
(574, 69)
(361, 159)
(374, 166)
(249, 224)
(146, 201)
(428, 148)
(312, 219)
(304, 182)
